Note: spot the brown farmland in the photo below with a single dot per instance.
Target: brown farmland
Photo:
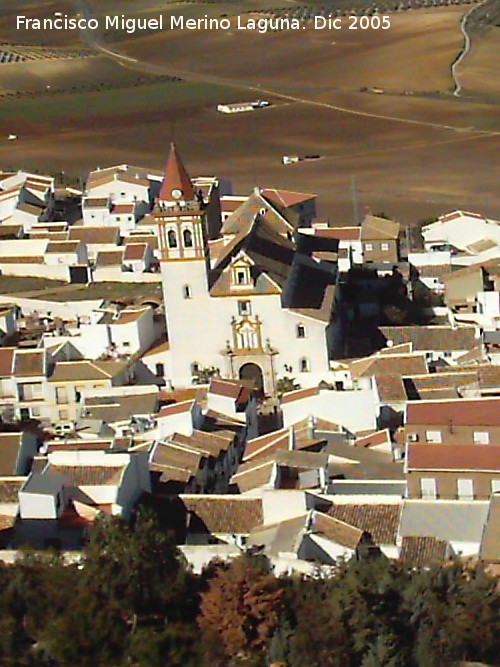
(413, 155)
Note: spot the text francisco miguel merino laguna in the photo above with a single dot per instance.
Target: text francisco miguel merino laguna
(130, 25)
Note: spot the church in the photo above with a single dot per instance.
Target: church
(239, 299)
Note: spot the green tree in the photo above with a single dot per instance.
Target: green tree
(133, 585)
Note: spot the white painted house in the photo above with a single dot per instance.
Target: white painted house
(95, 478)
(468, 232)
(355, 410)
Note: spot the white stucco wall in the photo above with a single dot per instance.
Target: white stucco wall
(119, 190)
(37, 505)
(200, 326)
(437, 258)
(177, 423)
(356, 409)
(461, 231)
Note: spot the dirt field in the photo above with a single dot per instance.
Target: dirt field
(55, 290)
(319, 60)
(35, 9)
(481, 71)
(412, 155)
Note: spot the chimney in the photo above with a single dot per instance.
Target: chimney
(311, 423)
(291, 438)
(256, 190)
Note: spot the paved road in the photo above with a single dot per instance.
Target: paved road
(465, 49)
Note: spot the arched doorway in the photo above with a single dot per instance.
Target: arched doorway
(253, 373)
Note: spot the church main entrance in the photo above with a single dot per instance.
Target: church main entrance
(252, 372)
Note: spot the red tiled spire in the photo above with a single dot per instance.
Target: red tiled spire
(176, 178)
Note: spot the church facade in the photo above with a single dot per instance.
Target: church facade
(230, 291)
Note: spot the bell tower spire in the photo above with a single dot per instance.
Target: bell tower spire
(176, 185)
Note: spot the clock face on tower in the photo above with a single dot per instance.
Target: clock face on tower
(176, 193)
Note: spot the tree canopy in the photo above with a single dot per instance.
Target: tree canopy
(133, 601)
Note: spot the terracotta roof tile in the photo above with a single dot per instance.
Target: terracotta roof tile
(120, 209)
(6, 359)
(286, 198)
(396, 365)
(135, 251)
(176, 178)
(226, 514)
(381, 521)
(339, 233)
(417, 551)
(62, 246)
(87, 475)
(176, 408)
(432, 337)
(299, 394)
(73, 371)
(453, 457)
(150, 239)
(375, 228)
(109, 258)
(9, 489)
(166, 454)
(458, 412)
(390, 389)
(127, 316)
(29, 363)
(253, 476)
(94, 235)
(336, 530)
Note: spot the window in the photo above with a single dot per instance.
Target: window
(384, 246)
(244, 308)
(368, 246)
(187, 292)
(301, 331)
(30, 392)
(126, 343)
(481, 438)
(433, 436)
(428, 488)
(35, 412)
(187, 238)
(304, 365)
(240, 274)
(172, 239)
(61, 395)
(247, 337)
(63, 415)
(465, 489)
(160, 370)
(495, 486)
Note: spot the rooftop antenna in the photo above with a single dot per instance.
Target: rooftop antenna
(354, 194)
